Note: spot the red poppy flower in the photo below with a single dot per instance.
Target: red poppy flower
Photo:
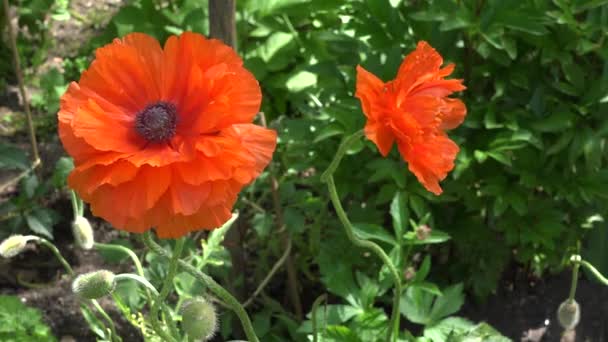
(162, 137)
(415, 111)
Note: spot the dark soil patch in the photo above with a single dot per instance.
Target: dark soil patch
(39, 280)
(526, 310)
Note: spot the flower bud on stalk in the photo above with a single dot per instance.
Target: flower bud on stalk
(83, 233)
(409, 273)
(199, 319)
(423, 232)
(94, 285)
(569, 314)
(13, 245)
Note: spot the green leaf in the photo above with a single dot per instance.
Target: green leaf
(332, 129)
(524, 22)
(277, 51)
(399, 213)
(41, 221)
(30, 185)
(446, 329)
(301, 81)
(369, 231)
(12, 157)
(416, 305)
(429, 287)
(436, 236)
(449, 303)
(262, 224)
(423, 270)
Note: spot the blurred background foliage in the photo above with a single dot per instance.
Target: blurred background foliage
(530, 180)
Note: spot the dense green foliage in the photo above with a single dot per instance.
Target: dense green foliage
(530, 180)
(21, 323)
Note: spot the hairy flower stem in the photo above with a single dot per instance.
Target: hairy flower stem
(104, 314)
(58, 255)
(164, 292)
(327, 177)
(70, 271)
(214, 287)
(576, 259)
(140, 272)
(595, 272)
(141, 280)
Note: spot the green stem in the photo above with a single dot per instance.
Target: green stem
(75, 206)
(143, 281)
(339, 154)
(315, 306)
(214, 287)
(327, 177)
(119, 248)
(594, 271)
(577, 263)
(70, 271)
(140, 272)
(166, 288)
(348, 228)
(107, 317)
(58, 255)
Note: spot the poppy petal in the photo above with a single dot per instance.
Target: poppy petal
(452, 114)
(430, 160)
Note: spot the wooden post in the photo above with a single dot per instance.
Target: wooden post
(222, 24)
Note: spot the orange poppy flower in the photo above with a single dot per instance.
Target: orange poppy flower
(414, 110)
(162, 137)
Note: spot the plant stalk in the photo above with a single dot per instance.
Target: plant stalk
(24, 97)
(327, 176)
(213, 286)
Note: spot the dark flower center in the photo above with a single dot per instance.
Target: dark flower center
(156, 123)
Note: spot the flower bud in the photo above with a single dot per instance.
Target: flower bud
(569, 314)
(409, 273)
(94, 285)
(423, 231)
(13, 245)
(83, 233)
(199, 319)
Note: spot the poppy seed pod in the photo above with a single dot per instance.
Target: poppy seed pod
(569, 314)
(83, 233)
(13, 245)
(199, 319)
(94, 285)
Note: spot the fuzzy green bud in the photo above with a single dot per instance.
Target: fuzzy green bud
(83, 233)
(199, 319)
(13, 245)
(569, 314)
(94, 285)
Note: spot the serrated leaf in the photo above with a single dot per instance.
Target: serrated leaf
(449, 303)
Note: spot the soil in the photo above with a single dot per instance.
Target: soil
(526, 310)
